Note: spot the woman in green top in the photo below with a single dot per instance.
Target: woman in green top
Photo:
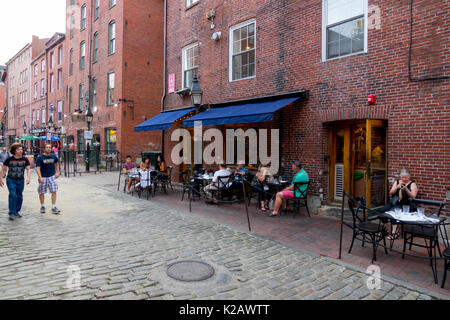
(288, 193)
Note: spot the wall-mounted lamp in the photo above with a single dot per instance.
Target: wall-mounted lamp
(210, 15)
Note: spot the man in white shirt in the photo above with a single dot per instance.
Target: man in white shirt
(222, 172)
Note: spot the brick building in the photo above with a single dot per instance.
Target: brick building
(20, 94)
(332, 55)
(114, 53)
(2, 101)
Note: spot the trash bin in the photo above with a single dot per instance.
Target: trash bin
(153, 155)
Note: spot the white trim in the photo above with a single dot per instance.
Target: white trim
(230, 49)
(324, 32)
(183, 60)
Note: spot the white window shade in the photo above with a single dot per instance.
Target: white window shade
(340, 10)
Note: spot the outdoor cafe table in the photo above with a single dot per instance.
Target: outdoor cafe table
(428, 223)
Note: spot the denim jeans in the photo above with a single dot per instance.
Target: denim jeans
(15, 188)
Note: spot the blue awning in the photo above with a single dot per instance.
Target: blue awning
(242, 113)
(162, 121)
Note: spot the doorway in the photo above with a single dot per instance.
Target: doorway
(358, 160)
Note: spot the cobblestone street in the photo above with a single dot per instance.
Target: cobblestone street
(122, 246)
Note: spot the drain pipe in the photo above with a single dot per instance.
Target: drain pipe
(164, 73)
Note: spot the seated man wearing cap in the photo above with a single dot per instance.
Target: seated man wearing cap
(288, 193)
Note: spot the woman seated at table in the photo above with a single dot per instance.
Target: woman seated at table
(402, 192)
(162, 167)
(258, 185)
(288, 193)
(145, 165)
(240, 173)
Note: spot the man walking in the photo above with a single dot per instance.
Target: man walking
(15, 166)
(47, 169)
(4, 155)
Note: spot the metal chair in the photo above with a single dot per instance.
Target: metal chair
(364, 230)
(145, 183)
(223, 187)
(446, 255)
(429, 234)
(301, 200)
(189, 185)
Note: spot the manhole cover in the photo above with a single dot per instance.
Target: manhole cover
(190, 271)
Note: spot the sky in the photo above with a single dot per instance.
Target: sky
(21, 19)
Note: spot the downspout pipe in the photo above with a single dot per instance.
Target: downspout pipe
(164, 72)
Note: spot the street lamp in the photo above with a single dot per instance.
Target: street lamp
(24, 127)
(89, 118)
(196, 94)
(50, 123)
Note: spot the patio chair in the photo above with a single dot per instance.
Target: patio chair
(301, 200)
(223, 188)
(145, 183)
(189, 186)
(364, 230)
(169, 177)
(428, 234)
(446, 255)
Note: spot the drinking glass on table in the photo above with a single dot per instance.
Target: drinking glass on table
(397, 211)
(421, 212)
(406, 209)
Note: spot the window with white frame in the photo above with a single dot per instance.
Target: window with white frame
(52, 81)
(112, 37)
(35, 90)
(42, 65)
(59, 111)
(83, 17)
(344, 29)
(190, 2)
(52, 60)
(42, 87)
(82, 54)
(190, 64)
(80, 96)
(242, 50)
(110, 89)
(94, 93)
(35, 70)
(43, 116)
(112, 3)
(60, 54)
(38, 114)
(60, 79)
(97, 8)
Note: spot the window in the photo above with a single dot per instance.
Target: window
(42, 87)
(190, 64)
(242, 51)
(42, 65)
(34, 117)
(43, 116)
(80, 96)
(112, 37)
(35, 70)
(60, 53)
(111, 140)
(52, 60)
(71, 62)
(110, 91)
(96, 10)
(60, 79)
(344, 29)
(52, 80)
(94, 93)
(95, 56)
(190, 2)
(59, 111)
(112, 3)
(38, 114)
(35, 90)
(82, 54)
(83, 17)
(50, 114)
(72, 25)
(80, 136)
(70, 100)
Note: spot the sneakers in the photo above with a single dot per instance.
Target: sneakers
(18, 215)
(55, 210)
(42, 209)
(12, 217)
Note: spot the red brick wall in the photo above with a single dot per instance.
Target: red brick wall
(288, 58)
(138, 42)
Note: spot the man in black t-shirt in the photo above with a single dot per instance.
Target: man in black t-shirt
(47, 169)
(15, 166)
